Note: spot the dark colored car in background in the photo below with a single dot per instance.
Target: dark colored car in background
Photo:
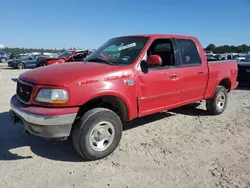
(25, 62)
(244, 71)
(67, 56)
(3, 57)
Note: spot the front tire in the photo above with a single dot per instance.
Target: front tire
(97, 134)
(218, 103)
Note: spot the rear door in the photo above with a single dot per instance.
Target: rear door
(193, 73)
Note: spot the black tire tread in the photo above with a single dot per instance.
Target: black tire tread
(210, 103)
(79, 128)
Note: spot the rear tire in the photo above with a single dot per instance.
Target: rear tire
(97, 134)
(20, 66)
(218, 103)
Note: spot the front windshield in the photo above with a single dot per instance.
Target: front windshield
(122, 50)
(64, 55)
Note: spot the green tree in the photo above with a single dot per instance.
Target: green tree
(210, 47)
(17, 51)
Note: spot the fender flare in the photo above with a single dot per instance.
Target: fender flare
(224, 78)
(122, 97)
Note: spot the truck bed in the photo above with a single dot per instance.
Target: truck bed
(216, 74)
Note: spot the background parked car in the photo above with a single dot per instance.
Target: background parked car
(67, 56)
(3, 57)
(24, 62)
(240, 58)
(244, 71)
(212, 58)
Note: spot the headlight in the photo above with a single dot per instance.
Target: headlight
(52, 96)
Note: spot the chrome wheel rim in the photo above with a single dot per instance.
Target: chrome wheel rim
(220, 101)
(102, 136)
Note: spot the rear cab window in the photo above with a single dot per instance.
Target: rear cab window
(189, 52)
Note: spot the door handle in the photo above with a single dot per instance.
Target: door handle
(199, 73)
(173, 76)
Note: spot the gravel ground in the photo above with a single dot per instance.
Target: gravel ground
(181, 148)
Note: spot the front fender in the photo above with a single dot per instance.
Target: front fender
(115, 88)
(131, 107)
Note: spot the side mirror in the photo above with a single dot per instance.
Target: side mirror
(154, 60)
(30, 58)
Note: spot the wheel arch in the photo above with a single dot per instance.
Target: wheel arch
(226, 82)
(110, 100)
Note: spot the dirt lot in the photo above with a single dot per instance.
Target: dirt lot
(181, 148)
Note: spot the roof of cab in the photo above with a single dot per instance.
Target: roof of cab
(161, 36)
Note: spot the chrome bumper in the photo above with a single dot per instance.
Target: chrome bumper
(44, 120)
(56, 126)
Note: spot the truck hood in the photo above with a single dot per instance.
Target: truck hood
(66, 74)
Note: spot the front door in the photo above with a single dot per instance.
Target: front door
(158, 86)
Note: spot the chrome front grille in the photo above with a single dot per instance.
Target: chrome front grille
(24, 91)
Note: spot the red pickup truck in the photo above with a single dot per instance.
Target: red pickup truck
(126, 78)
(67, 56)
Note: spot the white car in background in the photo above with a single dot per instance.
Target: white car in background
(240, 58)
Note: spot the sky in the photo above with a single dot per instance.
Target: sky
(88, 24)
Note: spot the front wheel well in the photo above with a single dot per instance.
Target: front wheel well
(226, 83)
(110, 102)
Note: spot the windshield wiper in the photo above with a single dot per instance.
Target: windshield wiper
(100, 60)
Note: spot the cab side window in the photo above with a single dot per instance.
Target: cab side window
(164, 49)
(189, 52)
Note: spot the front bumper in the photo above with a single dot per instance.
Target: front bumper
(43, 122)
